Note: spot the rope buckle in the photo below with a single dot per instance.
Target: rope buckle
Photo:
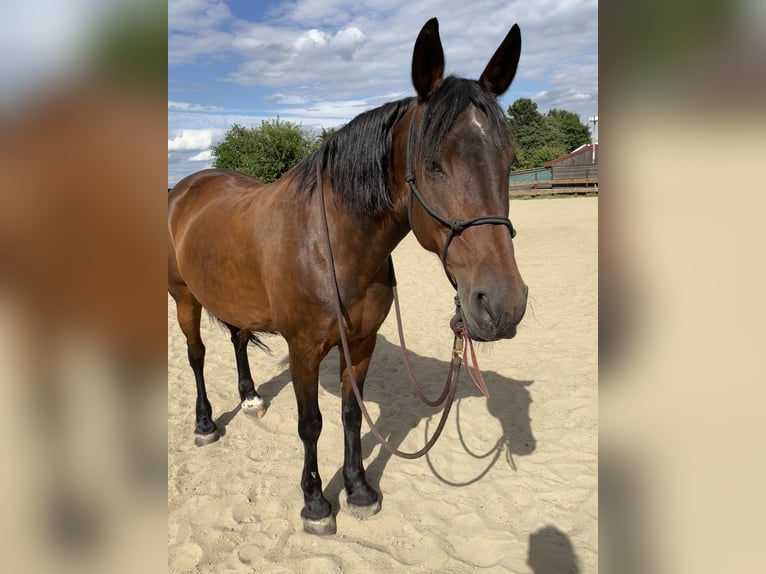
(458, 347)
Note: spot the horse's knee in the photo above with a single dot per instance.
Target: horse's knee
(352, 416)
(196, 354)
(310, 427)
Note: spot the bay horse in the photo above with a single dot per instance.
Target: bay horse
(255, 256)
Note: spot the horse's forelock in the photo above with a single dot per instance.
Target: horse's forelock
(450, 100)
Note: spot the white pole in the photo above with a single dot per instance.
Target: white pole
(593, 119)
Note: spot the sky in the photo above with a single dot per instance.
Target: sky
(320, 63)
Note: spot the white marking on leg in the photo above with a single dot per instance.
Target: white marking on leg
(254, 403)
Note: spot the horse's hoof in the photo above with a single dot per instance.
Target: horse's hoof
(255, 406)
(205, 439)
(322, 526)
(364, 512)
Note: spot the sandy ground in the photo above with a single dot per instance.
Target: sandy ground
(510, 487)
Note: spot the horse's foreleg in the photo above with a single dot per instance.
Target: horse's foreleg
(189, 311)
(362, 500)
(251, 400)
(317, 512)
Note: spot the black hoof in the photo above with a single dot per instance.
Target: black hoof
(205, 439)
(318, 517)
(322, 526)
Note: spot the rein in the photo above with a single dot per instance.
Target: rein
(462, 340)
(452, 377)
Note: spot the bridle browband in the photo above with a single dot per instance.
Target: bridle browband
(455, 227)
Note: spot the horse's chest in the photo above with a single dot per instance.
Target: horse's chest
(372, 309)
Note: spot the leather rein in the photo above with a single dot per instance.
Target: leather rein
(462, 340)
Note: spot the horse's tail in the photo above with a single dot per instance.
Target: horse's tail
(253, 338)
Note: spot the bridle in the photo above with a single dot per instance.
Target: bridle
(457, 226)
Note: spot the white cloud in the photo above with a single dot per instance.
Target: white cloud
(288, 99)
(190, 107)
(187, 48)
(274, 52)
(194, 139)
(344, 42)
(196, 15)
(202, 156)
(338, 111)
(279, 57)
(311, 39)
(371, 46)
(329, 11)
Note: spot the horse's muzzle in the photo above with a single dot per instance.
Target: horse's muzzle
(490, 316)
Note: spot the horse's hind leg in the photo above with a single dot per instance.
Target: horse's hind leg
(362, 500)
(251, 400)
(189, 311)
(304, 368)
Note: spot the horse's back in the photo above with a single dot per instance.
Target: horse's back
(210, 184)
(208, 198)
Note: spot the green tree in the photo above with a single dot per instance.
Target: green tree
(572, 133)
(527, 124)
(323, 137)
(540, 138)
(265, 152)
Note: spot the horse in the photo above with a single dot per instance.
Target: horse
(258, 256)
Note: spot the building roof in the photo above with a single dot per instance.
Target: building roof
(582, 149)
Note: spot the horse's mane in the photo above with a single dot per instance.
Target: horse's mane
(357, 157)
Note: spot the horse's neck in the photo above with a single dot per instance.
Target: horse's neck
(365, 241)
(370, 240)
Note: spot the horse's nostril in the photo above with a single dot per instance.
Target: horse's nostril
(482, 305)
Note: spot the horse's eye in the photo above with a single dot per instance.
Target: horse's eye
(434, 167)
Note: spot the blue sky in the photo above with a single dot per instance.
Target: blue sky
(322, 62)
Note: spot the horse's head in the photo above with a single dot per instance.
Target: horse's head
(458, 158)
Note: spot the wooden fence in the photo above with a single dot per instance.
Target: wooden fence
(553, 186)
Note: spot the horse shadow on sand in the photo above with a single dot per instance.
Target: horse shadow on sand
(400, 411)
(388, 386)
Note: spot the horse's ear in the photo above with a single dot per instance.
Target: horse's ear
(427, 60)
(499, 73)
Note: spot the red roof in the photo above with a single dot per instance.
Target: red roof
(582, 149)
